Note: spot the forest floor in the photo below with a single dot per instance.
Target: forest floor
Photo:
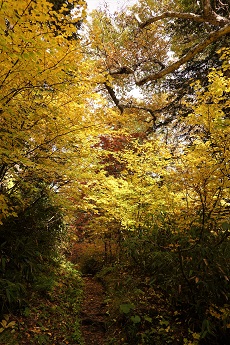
(93, 313)
(51, 313)
(69, 305)
(93, 316)
(66, 307)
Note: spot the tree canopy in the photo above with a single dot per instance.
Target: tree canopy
(116, 128)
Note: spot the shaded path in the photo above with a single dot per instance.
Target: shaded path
(93, 312)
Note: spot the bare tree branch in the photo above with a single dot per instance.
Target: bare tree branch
(209, 16)
(171, 14)
(122, 106)
(212, 18)
(198, 48)
(114, 97)
(207, 7)
(121, 70)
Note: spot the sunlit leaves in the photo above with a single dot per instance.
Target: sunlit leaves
(186, 187)
(48, 118)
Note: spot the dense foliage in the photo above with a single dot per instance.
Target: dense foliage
(44, 125)
(118, 132)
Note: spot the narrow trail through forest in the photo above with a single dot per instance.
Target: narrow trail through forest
(93, 312)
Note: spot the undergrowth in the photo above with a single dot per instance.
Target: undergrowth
(51, 314)
(155, 296)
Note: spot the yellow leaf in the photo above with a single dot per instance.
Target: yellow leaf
(4, 323)
(11, 324)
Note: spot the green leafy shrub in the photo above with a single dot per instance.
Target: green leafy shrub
(29, 244)
(186, 283)
(51, 317)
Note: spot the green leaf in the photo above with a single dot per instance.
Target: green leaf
(136, 319)
(147, 318)
(226, 226)
(126, 307)
(164, 322)
(8, 295)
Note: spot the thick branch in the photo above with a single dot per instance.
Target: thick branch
(172, 14)
(114, 97)
(207, 8)
(121, 70)
(212, 37)
(209, 16)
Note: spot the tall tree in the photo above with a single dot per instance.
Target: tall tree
(44, 91)
(49, 121)
(158, 48)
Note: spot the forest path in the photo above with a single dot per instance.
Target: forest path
(93, 312)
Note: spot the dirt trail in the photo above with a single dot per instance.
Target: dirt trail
(93, 313)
